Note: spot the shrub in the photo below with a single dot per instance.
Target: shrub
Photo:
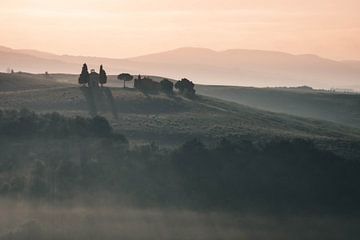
(27, 123)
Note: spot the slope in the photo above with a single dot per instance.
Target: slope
(172, 120)
(336, 107)
(25, 81)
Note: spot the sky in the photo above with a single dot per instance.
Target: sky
(125, 28)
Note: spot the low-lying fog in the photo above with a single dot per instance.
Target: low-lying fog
(21, 220)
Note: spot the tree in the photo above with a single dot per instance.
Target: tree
(125, 77)
(102, 76)
(166, 86)
(84, 75)
(185, 87)
(146, 84)
(137, 81)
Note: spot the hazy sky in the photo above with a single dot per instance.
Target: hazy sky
(122, 28)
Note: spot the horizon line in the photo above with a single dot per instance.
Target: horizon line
(179, 48)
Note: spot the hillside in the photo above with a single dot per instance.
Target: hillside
(231, 67)
(172, 120)
(336, 107)
(254, 68)
(142, 162)
(25, 81)
(342, 108)
(302, 102)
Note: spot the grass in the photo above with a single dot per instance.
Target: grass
(172, 120)
(25, 81)
(323, 105)
(168, 121)
(342, 108)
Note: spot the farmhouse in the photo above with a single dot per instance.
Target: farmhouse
(94, 79)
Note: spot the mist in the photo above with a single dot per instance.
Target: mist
(236, 67)
(198, 120)
(77, 220)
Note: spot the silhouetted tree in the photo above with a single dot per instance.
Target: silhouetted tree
(125, 77)
(166, 86)
(102, 76)
(84, 75)
(185, 87)
(146, 84)
(137, 81)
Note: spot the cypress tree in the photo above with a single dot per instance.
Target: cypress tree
(84, 75)
(102, 76)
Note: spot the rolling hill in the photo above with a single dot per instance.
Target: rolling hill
(248, 162)
(172, 120)
(341, 108)
(255, 68)
(25, 81)
(232, 67)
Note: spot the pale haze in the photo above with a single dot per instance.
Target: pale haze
(124, 28)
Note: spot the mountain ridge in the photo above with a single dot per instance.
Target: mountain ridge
(239, 67)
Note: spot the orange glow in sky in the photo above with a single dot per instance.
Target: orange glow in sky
(123, 28)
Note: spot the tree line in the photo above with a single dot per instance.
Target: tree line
(145, 84)
(24, 123)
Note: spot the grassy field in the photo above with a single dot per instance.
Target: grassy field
(172, 120)
(324, 105)
(25, 81)
(342, 108)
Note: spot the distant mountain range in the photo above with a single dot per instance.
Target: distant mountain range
(231, 67)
